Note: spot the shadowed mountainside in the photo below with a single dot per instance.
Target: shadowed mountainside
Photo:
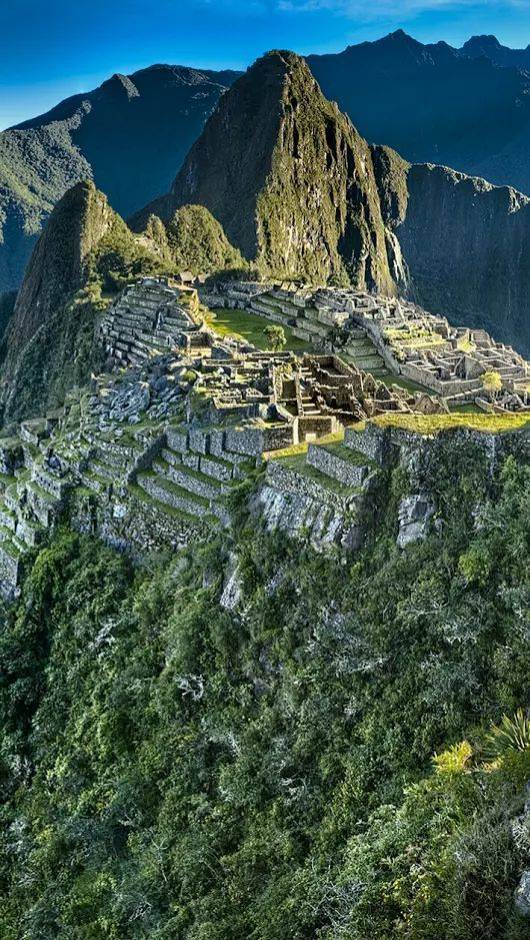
(433, 103)
(128, 136)
(466, 244)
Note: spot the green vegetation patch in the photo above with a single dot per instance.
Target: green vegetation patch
(431, 424)
(336, 758)
(249, 327)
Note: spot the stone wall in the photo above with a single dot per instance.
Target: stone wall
(343, 471)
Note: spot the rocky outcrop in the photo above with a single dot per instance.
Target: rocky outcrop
(289, 178)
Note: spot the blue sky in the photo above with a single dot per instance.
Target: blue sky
(53, 48)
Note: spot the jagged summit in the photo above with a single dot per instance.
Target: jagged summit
(57, 266)
(490, 47)
(119, 84)
(288, 177)
(484, 41)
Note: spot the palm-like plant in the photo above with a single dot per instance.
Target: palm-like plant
(512, 734)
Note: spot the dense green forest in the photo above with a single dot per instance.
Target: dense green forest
(318, 762)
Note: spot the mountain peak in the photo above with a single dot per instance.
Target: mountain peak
(118, 84)
(289, 179)
(489, 47)
(399, 35)
(399, 39)
(57, 266)
(483, 41)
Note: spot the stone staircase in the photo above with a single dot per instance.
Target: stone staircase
(360, 351)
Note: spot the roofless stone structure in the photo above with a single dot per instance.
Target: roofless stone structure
(149, 455)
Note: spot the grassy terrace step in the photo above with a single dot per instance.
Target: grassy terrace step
(5, 534)
(352, 456)
(189, 479)
(44, 495)
(299, 465)
(11, 549)
(94, 481)
(8, 518)
(144, 497)
(173, 495)
(432, 424)
(211, 466)
(102, 470)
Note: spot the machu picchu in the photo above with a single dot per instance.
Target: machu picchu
(148, 454)
(264, 500)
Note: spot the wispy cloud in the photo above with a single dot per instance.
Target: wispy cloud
(382, 8)
(366, 10)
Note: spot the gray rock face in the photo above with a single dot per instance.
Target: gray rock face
(414, 514)
(232, 588)
(467, 247)
(522, 894)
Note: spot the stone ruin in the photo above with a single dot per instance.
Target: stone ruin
(389, 336)
(312, 395)
(147, 456)
(150, 318)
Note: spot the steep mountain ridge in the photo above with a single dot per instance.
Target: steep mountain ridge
(83, 250)
(465, 242)
(290, 180)
(58, 264)
(458, 107)
(467, 248)
(153, 116)
(301, 194)
(490, 47)
(434, 103)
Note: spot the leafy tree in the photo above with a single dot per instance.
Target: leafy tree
(275, 336)
(491, 383)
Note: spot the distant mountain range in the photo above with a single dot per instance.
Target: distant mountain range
(467, 108)
(128, 135)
